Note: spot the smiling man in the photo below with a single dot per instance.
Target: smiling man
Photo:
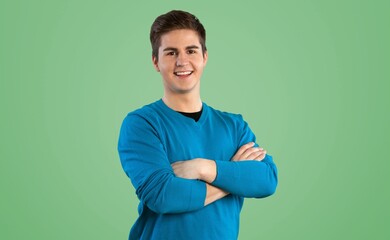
(191, 165)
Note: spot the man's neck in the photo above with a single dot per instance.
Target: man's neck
(183, 103)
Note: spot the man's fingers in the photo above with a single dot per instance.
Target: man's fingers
(254, 154)
(261, 156)
(249, 153)
(241, 150)
(244, 147)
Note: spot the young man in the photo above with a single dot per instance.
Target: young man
(191, 165)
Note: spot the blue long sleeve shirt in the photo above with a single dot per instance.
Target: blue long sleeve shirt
(154, 137)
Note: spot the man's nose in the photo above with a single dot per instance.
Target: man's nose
(181, 60)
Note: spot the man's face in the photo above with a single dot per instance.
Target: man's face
(180, 61)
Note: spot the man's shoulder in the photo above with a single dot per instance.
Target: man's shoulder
(147, 112)
(225, 114)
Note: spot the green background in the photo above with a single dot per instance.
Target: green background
(310, 77)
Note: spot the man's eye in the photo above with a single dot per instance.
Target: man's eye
(171, 53)
(191, 51)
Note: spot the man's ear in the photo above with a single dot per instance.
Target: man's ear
(205, 57)
(155, 63)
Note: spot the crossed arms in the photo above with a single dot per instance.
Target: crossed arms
(206, 170)
(190, 185)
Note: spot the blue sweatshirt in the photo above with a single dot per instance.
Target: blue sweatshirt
(154, 137)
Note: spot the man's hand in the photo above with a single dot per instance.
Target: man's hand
(249, 152)
(198, 168)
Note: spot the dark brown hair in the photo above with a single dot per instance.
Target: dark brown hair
(175, 20)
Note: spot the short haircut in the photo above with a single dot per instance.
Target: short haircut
(175, 20)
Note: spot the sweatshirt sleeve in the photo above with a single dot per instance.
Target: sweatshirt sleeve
(256, 179)
(145, 162)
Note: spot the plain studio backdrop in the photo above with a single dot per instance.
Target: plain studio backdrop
(310, 77)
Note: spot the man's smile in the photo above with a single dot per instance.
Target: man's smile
(183, 73)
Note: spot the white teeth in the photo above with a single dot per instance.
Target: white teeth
(183, 73)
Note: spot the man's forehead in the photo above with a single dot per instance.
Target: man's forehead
(180, 39)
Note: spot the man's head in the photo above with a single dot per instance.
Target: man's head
(175, 20)
(179, 52)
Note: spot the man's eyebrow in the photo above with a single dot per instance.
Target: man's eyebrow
(175, 49)
(192, 47)
(169, 49)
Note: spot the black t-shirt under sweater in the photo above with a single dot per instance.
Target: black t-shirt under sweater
(193, 115)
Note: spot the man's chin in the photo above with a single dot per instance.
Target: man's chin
(184, 91)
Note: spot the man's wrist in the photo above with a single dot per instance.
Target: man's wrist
(208, 170)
